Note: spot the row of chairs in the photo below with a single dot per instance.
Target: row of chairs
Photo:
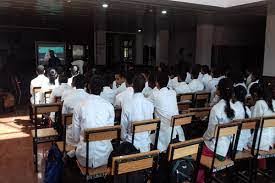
(193, 100)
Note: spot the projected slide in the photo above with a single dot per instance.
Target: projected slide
(43, 49)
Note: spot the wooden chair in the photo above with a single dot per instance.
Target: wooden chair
(184, 149)
(146, 126)
(123, 165)
(201, 114)
(212, 164)
(252, 124)
(180, 120)
(35, 90)
(47, 95)
(43, 135)
(57, 99)
(185, 101)
(93, 135)
(67, 120)
(117, 115)
(202, 99)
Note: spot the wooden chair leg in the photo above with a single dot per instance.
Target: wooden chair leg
(35, 155)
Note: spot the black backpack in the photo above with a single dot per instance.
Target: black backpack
(182, 170)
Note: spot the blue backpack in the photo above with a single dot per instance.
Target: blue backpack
(54, 166)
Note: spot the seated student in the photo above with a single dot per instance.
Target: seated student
(147, 91)
(120, 80)
(107, 93)
(238, 78)
(165, 102)
(71, 101)
(74, 72)
(126, 94)
(38, 82)
(264, 106)
(137, 108)
(173, 79)
(59, 91)
(206, 76)
(240, 94)
(182, 86)
(195, 85)
(59, 71)
(200, 73)
(49, 86)
(254, 80)
(212, 86)
(223, 112)
(94, 112)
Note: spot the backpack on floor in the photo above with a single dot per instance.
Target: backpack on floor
(182, 170)
(54, 166)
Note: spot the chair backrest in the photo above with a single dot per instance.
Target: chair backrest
(47, 95)
(100, 134)
(202, 99)
(201, 113)
(183, 106)
(57, 99)
(146, 126)
(180, 120)
(67, 119)
(34, 91)
(185, 97)
(135, 162)
(187, 148)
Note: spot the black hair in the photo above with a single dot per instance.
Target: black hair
(182, 76)
(96, 84)
(40, 69)
(138, 83)
(238, 77)
(79, 81)
(268, 96)
(205, 69)
(162, 79)
(129, 78)
(240, 94)
(216, 72)
(152, 80)
(52, 76)
(74, 70)
(59, 70)
(62, 78)
(226, 90)
(257, 91)
(108, 79)
(195, 71)
(256, 75)
(121, 74)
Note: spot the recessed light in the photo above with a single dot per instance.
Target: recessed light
(164, 12)
(139, 30)
(105, 5)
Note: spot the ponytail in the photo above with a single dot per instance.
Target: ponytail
(240, 94)
(228, 110)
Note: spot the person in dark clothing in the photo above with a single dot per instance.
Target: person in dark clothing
(54, 62)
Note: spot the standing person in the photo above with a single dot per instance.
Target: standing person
(93, 112)
(38, 82)
(137, 108)
(54, 62)
(165, 103)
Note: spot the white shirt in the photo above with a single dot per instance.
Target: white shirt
(261, 109)
(124, 96)
(188, 78)
(79, 64)
(165, 102)
(59, 91)
(114, 85)
(94, 112)
(218, 116)
(37, 82)
(196, 85)
(182, 88)
(46, 87)
(108, 94)
(212, 84)
(138, 108)
(240, 84)
(248, 79)
(205, 80)
(200, 76)
(172, 83)
(245, 135)
(121, 88)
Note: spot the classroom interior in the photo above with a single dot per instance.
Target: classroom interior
(146, 33)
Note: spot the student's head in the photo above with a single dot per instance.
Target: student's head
(96, 85)
(74, 70)
(195, 72)
(79, 81)
(162, 79)
(226, 91)
(205, 69)
(51, 53)
(268, 95)
(182, 76)
(62, 78)
(120, 78)
(257, 91)
(129, 79)
(146, 74)
(238, 77)
(227, 71)
(216, 73)
(40, 70)
(138, 83)
(255, 75)
(52, 76)
(240, 94)
(152, 80)
(59, 70)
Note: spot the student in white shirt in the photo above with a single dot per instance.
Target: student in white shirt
(147, 91)
(238, 78)
(48, 86)
(107, 92)
(126, 94)
(94, 112)
(165, 102)
(206, 76)
(75, 72)
(264, 106)
(212, 86)
(120, 80)
(195, 85)
(137, 108)
(60, 90)
(38, 82)
(182, 86)
(223, 112)
(71, 101)
(79, 64)
(240, 94)
(254, 80)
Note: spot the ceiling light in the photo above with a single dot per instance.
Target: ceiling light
(139, 30)
(164, 12)
(105, 5)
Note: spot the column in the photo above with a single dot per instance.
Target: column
(139, 41)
